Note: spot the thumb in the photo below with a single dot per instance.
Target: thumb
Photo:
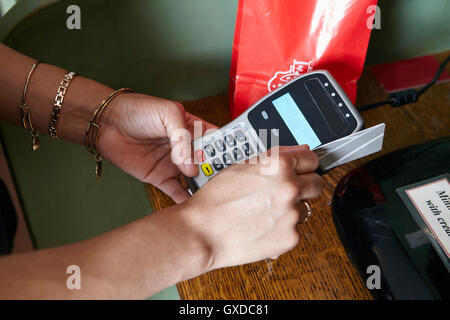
(180, 139)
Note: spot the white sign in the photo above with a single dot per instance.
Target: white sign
(432, 201)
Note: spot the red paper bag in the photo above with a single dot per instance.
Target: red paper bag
(277, 40)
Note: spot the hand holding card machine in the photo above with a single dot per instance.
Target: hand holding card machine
(311, 109)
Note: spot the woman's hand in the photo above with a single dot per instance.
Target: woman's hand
(242, 216)
(138, 135)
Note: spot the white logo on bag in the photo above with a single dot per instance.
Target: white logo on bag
(281, 77)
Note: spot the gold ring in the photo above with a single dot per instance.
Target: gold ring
(308, 212)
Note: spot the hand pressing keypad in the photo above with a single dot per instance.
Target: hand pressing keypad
(233, 147)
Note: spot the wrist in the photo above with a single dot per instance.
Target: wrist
(196, 253)
(82, 99)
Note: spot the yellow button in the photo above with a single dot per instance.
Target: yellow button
(207, 170)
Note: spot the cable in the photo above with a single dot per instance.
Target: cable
(404, 97)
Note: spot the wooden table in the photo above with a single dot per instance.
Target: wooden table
(318, 268)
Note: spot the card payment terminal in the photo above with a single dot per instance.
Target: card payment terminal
(311, 109)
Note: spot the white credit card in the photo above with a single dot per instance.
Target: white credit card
(352, 147)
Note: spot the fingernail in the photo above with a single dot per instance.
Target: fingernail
(305, 147)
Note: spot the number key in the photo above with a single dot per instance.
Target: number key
(240, 136)
(229, 140)
(220, 145)
(248, 150)
(227, 159)
(217, 164)
(238, 155)
(210, 150)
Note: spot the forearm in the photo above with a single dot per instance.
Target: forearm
(131, 262)
(82, 97)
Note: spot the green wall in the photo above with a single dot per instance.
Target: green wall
(410, 28)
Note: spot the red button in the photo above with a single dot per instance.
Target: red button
(199, 155)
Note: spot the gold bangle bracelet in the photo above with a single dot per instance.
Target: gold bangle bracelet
(57, 105)
(91, 136)
(26, 113)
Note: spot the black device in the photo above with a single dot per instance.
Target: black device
(377, 227)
